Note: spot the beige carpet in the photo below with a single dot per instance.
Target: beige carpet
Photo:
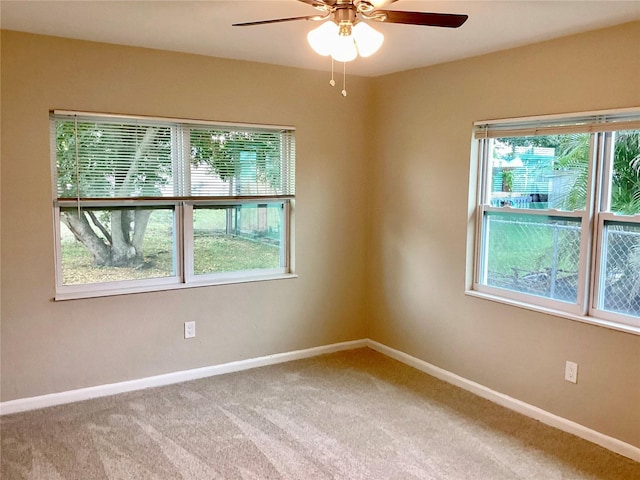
(349, 415)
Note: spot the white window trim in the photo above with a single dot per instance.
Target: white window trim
(601, 322)
(183, 234)
(232, 277)
(112, 289)
(594, 310)
(592, 218)
(579, 308)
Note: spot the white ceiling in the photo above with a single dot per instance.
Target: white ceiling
(204, 27)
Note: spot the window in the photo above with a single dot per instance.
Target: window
(558, 215)
(146, 204)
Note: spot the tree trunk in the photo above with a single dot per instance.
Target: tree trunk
(123, 253)
(140, 221)
(79, 226)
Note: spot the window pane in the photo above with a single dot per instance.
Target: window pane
(620, 288)
(114, 244)
(537, 255)
(237, 237)
(539, 172)
(625, 181)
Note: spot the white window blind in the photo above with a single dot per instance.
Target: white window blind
(604, 121)
(106, 160)
(111, 157)
(241, 163)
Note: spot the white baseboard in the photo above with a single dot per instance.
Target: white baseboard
(511, 403)
(52, 399)
(42, 401)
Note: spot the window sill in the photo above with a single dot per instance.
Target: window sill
(108, 292)
(579, 318)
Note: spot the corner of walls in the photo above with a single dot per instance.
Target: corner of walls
(420, 223)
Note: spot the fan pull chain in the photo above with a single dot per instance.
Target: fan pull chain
(332, 82)
(344, 79)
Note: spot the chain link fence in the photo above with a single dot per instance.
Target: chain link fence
(533, 257)
(542, 258)
(622, 269)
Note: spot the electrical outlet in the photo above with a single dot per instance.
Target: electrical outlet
(571, 372)
(189, 329)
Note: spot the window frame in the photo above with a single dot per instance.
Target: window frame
(182, 206)
(601, 127)
(234, 276)
(578, 309)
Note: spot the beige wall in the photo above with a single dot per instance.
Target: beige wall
(419, 228)
(56, 346)
(398, 278)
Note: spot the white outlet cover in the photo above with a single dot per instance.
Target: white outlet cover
(189, 329)
(571, 372)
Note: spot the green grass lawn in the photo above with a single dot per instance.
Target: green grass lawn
(214, 252)
(530, 245)
(536, 255)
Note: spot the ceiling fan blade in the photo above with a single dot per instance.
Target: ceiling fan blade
(275, 20)
(318, 3)
(450, 20)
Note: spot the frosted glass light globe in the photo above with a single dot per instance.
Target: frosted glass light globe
(344, 49)
(368, 40)
(322, 38)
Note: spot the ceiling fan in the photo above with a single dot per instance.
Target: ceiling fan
(370, 10)
(345, 34)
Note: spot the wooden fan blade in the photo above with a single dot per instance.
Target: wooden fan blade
(450, 20)
(275, 20)
(318, 3)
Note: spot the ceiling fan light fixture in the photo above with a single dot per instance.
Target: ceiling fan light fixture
(345, 29)
(344, 49)
(344, 35)
(367, 39)
(322, 38)
(345, 41)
